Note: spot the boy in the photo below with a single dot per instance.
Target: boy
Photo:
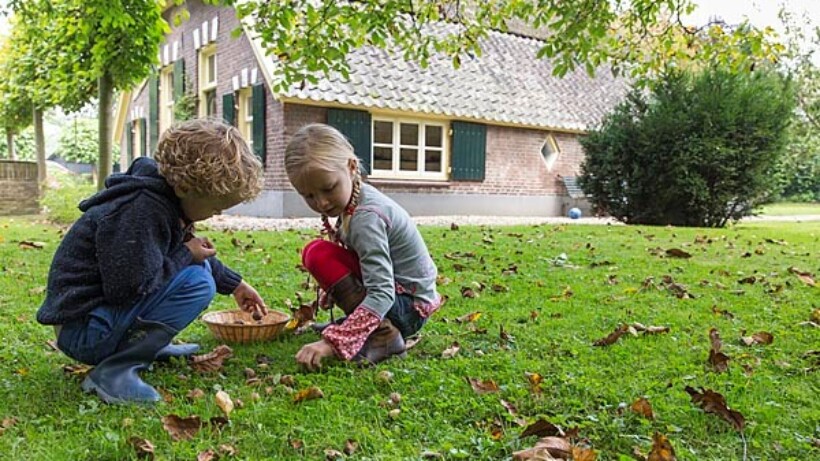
(130, 274)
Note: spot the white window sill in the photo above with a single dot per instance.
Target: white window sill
(407, 182)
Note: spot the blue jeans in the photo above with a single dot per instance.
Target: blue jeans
(404, 316)
(96, 336)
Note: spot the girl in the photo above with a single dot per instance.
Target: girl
(375, 267)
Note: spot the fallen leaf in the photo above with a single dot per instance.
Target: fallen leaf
(483, 386)
(468, 292)
(451, 351)
(212, 361)
(30, 245)
(719, 361)
(453, 226)
(77, 369)
(643, 408)
(541, 428)
(499, 288)
(677, 253)
(196, 393)
(472, 317)
(331, 455)
(224, 402)
(535, 381)
(310, 393)
(613, 337)
(227, 449)
(143, 448)
(546, 449)
(662, 449)
(218, 422)
(761, 337)
(715, 403)
(815, 316)
(805, 277)
(351, 446)
(583, 454)
(181, 428)
(207, 455)
(297, 444)
(513, 412)
(429, 454)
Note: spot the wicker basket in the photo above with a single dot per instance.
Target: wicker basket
(237, 326)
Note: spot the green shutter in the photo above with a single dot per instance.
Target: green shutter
(228, 108)
(141, 125)
(469, 149)
(355, 124)
(153, 113)
(129, 144)
(179, 79)
(258, 128)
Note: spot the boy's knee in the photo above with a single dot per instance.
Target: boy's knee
(199, 281)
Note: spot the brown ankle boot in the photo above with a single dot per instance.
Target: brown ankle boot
(348, 293)
(385, 342)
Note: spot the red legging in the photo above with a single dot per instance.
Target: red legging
(328, 262)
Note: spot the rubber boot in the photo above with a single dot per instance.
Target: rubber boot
(116, 378)
(348, 293)
(385, 342)
(184, 350)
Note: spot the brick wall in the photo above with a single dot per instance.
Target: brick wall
(514, 164)
(19, 193)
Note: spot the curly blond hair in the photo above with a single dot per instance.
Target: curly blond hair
(210, 158)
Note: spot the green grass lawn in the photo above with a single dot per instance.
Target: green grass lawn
(790, 209)
(551, 309)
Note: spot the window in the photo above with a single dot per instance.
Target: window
(409, 149)
(166, 98)
(550, 151)
(245, 118)
(136, 136)
(207, 81)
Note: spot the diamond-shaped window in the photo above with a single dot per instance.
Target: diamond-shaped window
(550, 151)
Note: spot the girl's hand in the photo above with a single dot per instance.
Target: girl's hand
(201, 248)
(248, 299)
(311, 355)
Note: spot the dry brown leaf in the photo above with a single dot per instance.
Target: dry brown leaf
(310, 393)
(513, 412)
(714, 337)
(613, 337)
(302, 315)
(662, 449)
(196, 393)
(224, 402)
(77, 369)
(30, 245)
(541, 428)
(212, 361)
(207, 455)
(805, 277)
(227, 449)
(815, 316)
(643, 408)
(535, 381)
(546, 449)
(719, 361)
(142, 447)
(451, 351)
(351, 446)
(583, 454)
(332, 455)
(472, 317)
(499, 288)
(181, 428)
(712, 402)
(677, 253)
(468, 292)
(483, 386)
(297, 444)
(761, 337)
(453, 226)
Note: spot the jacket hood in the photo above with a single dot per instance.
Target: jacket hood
(143, 175)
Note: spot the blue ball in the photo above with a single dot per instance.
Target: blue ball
(574, 213)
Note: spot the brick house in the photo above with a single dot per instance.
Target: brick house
(498, 136)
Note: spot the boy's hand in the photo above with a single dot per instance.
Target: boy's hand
(249, 300)
(311, 355)
(201, 248)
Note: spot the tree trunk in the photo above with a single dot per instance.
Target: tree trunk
(106, 88)
(40, 146)
(10, 144)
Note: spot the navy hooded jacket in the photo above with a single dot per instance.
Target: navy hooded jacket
(127, 244)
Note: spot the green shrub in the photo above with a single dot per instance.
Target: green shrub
(61, 199)
(697, 150)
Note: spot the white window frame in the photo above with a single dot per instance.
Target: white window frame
(166, 98)
(245, 114)
(206, 85)
(550, 160)
(419, 174)
(136, 137)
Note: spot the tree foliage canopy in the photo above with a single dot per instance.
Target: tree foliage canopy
(699, 149)
(640, 37)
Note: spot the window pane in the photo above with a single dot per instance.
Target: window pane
(432, 136)
(249, 108)
(409, 160)
(382, 158)
(432, 161)
(409, 134)
(211, 68)
(548, 149)
(210, 103)
(383, 132)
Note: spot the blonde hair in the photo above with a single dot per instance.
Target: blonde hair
(210, 158)
(321, 146)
